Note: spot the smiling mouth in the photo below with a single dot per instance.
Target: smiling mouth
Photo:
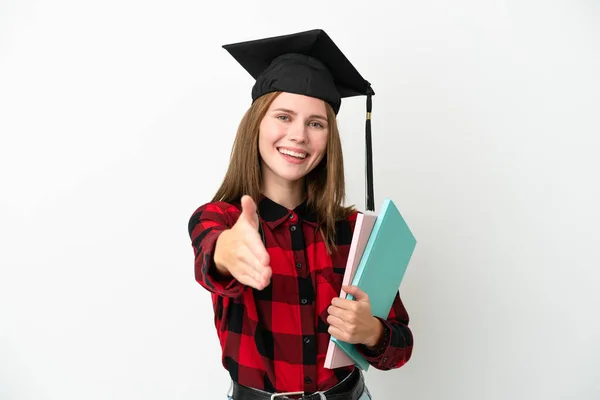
(294, 154)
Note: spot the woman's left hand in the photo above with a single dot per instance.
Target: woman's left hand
(352, 321)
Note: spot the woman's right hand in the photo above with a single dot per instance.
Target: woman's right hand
(240, 252)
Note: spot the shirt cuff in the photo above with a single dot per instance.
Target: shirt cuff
(226, 286)
(379, 356)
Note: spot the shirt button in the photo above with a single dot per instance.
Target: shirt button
(306, 339)
(307, 380)
(298, 265)
(385, 359)
(304, 301)
(293, 228)
(292, 216)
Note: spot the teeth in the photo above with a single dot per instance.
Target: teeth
(292, 153)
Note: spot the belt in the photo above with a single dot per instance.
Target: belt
(351, 388)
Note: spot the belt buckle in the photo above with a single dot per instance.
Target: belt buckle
(276, 395)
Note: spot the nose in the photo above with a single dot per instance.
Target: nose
(298, 132)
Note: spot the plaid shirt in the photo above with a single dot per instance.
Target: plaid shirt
(276, 339)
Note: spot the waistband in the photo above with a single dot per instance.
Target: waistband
(351, 388)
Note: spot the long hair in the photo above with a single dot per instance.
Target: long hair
(324, 185)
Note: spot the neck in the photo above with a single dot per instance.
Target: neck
(288, 194)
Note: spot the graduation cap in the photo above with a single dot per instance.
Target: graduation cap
(311, 64)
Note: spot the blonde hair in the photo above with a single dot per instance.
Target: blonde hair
(324, 185)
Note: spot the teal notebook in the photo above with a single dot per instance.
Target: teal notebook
(381, 268)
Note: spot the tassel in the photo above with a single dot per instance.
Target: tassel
(370, 199)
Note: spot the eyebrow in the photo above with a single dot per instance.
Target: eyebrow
(316, 116)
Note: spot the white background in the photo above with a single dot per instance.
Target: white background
(116, 122)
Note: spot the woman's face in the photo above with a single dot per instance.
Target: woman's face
(292, 137)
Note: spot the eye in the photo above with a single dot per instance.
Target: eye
(317, 125)
(283, 117)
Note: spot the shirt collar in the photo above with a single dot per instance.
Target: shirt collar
(274, 213)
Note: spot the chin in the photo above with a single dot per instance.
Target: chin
(291, 177)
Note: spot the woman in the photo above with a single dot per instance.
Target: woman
(272, 245)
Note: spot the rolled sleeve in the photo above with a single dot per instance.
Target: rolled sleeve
(205, 226)
(396, 346)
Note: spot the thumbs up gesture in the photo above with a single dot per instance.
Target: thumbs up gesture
(240, 251)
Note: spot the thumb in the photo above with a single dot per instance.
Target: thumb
(356, 292)
(249, 210)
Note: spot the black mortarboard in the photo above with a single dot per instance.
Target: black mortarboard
(307, 63)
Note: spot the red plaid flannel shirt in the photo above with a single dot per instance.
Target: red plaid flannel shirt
(276, 339)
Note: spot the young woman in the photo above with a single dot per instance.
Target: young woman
(272, 245)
